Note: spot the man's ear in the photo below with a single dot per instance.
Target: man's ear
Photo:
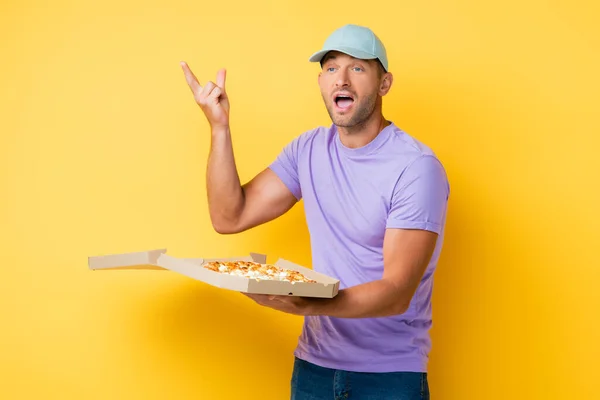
(386, 83)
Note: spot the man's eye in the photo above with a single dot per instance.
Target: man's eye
(358, 69)
(330, 69)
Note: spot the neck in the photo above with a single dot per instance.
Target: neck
(363, 133)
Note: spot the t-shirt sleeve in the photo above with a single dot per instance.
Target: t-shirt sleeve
(420, 197)
(285, 167)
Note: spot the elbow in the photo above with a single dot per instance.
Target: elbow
(225, 227)
(221, 224)
(400, 307)
(399, 310)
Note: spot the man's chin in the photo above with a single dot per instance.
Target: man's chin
(345, 122)
(341, 120)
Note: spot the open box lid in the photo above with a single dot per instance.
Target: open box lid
(193, 267)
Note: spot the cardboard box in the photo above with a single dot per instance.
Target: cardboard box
(325, 287)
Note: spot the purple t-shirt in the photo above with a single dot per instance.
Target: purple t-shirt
(351, 196)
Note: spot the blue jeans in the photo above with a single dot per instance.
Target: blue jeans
(312, 382)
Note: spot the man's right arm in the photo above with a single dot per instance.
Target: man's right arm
(234, 208)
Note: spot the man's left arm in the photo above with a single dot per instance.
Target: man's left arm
(412, 230)
(406, 255)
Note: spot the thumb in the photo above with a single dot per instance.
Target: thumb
(221, 79)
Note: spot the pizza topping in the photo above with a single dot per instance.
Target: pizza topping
(250, 269)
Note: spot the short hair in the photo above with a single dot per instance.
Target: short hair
(380, 68)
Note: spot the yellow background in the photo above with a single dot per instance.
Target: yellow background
(104, 151)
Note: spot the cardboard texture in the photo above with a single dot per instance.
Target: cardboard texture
(325, 287)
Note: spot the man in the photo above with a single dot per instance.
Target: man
(375, 201)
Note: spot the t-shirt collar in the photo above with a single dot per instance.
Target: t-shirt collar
(369, 147)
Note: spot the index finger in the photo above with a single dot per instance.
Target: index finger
(190, 78)
(221, 78)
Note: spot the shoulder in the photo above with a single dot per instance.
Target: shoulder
(411, 149)
(417, 159)
(309, 139)
(407, 144)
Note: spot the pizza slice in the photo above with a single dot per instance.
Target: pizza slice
(254, 270)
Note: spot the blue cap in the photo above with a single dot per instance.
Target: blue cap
(356, 41)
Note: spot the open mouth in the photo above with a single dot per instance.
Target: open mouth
(343, 101)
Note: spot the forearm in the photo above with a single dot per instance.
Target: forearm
(225, 194)
(379, 298)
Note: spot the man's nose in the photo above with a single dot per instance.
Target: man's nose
(342, 79)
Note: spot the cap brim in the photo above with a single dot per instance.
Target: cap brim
(363, 55)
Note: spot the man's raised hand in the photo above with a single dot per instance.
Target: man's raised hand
(212, 98)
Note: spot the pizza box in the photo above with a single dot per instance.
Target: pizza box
(325, 287)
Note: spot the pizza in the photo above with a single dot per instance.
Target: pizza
(254, 270)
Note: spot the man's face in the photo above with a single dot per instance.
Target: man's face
(350, 88)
